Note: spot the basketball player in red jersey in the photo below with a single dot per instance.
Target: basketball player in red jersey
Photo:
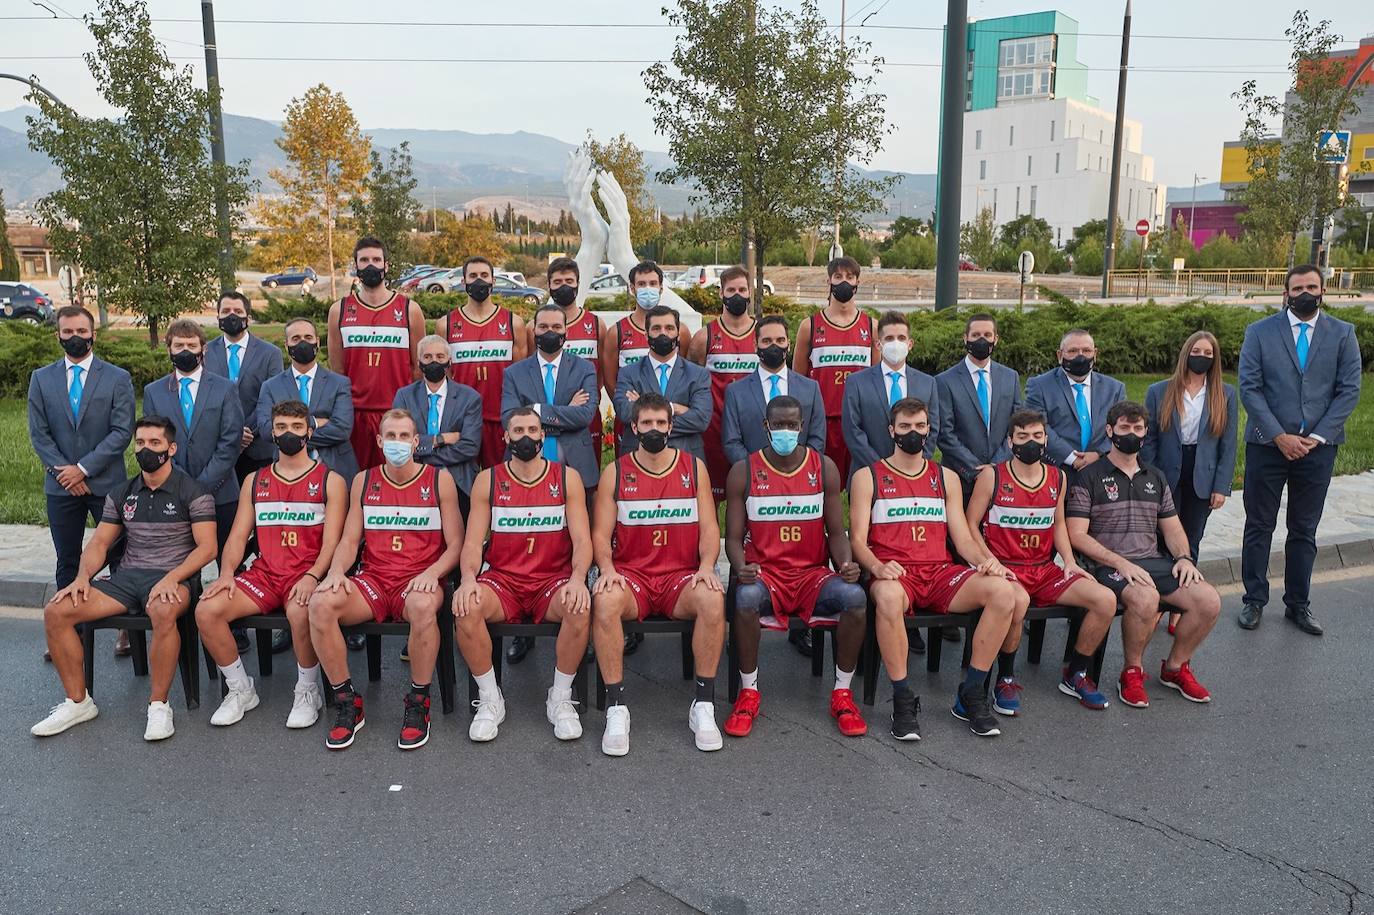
(405, 518)
(1019, 505)
(656, 541)
(783, 523)
(831, 344)
(373, 332)
(296, 507)
(484, 338)
(900, 511)
(528, 524)
(727, 348)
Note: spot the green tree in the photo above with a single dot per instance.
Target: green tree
(623, 159)
(978, 239)
(9, 261)
(137, 210)
(903, 226)
(764, 114)
(387, 207)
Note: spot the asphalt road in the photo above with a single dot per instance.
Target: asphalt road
(1257, 803)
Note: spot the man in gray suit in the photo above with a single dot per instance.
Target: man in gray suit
(449, 416)
(1075, 400)
(869, 394)
(742, 425)
(328, 394)
(247, 362)
(664, 371)
(209, 421)
(1299, 382)
(977, 397)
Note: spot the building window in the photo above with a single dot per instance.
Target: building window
(1028, 166)
(982, 169)
(1051, 131)
(994, 204)
(1099, 163)
(1056, 163)
(1068, 128)
(1130, 202)
(1032, 200)
(1011, 135)
(977, 139)
(1099, 134)
(1368, 152)
(1025, 67)
(1018, 200)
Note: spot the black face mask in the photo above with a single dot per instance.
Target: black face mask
(526, 448)
(1078, 366)
(662, 344)
(1304, 304)
(653, 441)
(773, 356)
(550, 342)
(981, 348)
(186, 361)
(233, 325)
(303, 352)
(150, 460)
(843, 291)
(563, 296)
(76, 347)
(434, 371)
(1028, 452)
(912, 442)
(736, 304)
(478, 290)
(1127, 442)
(289, 443)
(372, 276)
(1200, 365)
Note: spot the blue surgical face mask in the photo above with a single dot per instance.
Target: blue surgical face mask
(397, 454)
(784, 441)
(647, 298)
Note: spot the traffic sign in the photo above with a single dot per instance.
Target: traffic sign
(1142, 228)
(1333, 147)
(1026, 263)
(66, 278)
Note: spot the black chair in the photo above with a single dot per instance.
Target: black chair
(445, 664)
(1036, 618)
(138, 625)
(794, 624)
(500, 631)
(263, 624)
(871, 658)
(685, 628)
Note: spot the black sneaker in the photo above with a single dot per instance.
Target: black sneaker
(415, 722)
(916, 644)
(348, 720)
(632, 641)
(972, 706)
(356, 641)
(519, 646)
(904, 723)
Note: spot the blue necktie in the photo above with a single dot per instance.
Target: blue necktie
(984, 398)
(663, 379)
(74, 392)
(1085, 422)
(432, 419)
(894, 393)
(188, 403)
(773, 386)
(1303, 344)
(235, 361)
(303, 384)
(550, 443)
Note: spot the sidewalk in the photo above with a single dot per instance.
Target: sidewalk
(1345, 539)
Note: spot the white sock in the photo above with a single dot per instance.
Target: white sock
(486, 684)
(562, 683)
(749, 680)
(308, 676)
(235, 675)
(843, 678)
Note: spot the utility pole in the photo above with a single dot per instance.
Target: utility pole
(951, 155)
(836, 249)
(1109, 249)
(748, 253)
(226, 243)
(1192, 210)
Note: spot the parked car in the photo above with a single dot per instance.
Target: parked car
(21, 302)
(291, 276)
(514, 276)
(444, 280)
(501, 286)
(612, 284)
(709, 276)
(968, 264)
(412, 271)
(417, 278)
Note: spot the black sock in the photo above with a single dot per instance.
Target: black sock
(418, 689)
(1006, 664)
(1078, 663)
(975, 680)
(706, 689)
(615, 694)
(901, 689)
(345, 687)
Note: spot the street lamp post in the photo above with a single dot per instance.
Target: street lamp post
(1192, 210)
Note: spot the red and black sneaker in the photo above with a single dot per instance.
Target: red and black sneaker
(1184, 681)
(846, 713)
(414, 722)
(741, 719)
(348, 720)
(1131, 688)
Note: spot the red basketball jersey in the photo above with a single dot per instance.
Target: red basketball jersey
(529, 524)
(786, 515)
(583, 340)
(289, 515)
(633, 342)
(656, 522)
(376, 356)
(908, 520)
(1019, 525)
(728, 358)
(480, 351)
(403, 532)
(837, 352)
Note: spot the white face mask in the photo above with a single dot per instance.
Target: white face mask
(894, 352)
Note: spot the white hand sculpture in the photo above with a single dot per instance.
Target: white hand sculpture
(578, 180)
(619, 250)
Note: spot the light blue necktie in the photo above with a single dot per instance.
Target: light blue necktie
(773, 386)
(432, 419)
(303, 383)
(74, 393)
(663, 379)
(1303, 344)
(1085, 422)
(188, 403)
(894, 393)
(984, 398)
(235, 361)
(550, 443)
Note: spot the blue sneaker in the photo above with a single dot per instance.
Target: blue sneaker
(973, 708)
(1006, 697)
(1082, 687)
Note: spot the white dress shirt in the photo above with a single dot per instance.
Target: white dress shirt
(84, 365)
(195, 383)
(671, 362)
(901, 379)
(1087, 383)
(1191, 420)
(443, 395)
(556, 362)
(765, 375)
(1294, 322)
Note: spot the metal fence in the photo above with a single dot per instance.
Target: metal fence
(1238, 282)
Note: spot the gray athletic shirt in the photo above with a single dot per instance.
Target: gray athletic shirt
(157, 522)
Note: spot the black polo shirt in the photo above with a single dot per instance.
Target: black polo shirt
(157, 522)
(1123, 511)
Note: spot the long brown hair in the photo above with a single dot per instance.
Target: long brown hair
(1216, 393)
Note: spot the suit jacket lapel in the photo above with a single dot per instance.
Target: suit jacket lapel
(450, 403)
(966, 385)
(1286, 332)
(1067, 387)
(755, 389)
(561, 378)
(202, 401)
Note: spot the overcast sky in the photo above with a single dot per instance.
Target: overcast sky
(1186, 114)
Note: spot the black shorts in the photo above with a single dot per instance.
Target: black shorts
(131, 587)
(1160, 568)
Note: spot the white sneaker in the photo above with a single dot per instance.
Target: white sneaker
(562, 714)
(306, 703)
(616, 740)
(236, 702)
(159, 722)
(491, 711)
(66, 715)
(702, 720)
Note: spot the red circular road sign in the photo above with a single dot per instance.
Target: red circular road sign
(1142, 227)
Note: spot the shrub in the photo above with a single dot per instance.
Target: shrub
(24, 348)
(911, 252)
